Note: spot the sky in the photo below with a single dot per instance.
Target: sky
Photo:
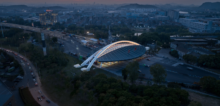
(181, 2)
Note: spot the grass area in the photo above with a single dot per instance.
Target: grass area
(27, 97)
(204, 100)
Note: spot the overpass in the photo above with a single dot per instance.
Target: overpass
(34, 29)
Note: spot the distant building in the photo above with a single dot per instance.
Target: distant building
(162, 13)
(162, 18)
(196, 26)
(48, 18)
(174, 15)
(203, 51)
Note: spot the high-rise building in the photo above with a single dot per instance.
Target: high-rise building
(48, 18)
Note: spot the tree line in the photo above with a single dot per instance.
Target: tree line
(111, 91)
(210, 61)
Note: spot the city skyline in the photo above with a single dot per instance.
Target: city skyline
(178, 2)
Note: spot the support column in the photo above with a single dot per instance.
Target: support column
(43, 44)
(101, 65)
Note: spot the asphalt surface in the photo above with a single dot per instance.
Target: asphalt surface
(71, 44)
(28, 81)
(34, 29)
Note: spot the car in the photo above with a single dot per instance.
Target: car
(148, 59)
(42, 96)
(147, 65)
(34, 80)
(28, 63)
(48, 101)
(33, 76)
(181, 63)
(39, 99)
(36, 84)
(189, 68)
(32, 73)
(19, 77)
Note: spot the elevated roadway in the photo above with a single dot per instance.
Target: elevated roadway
(34, 29)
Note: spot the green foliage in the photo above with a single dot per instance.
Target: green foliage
(172, 29)
(58, 26)
(110, 91)
(55, 59)
(174, 53)
(14, 37)
(146, 38)
(124, 74)
(21, 21)
(9, 58)
(54, 39)
(158, 72)
(194, 103)
(190, 58)
(132, 69)
(210, 84)
(211, 61)
(173, 85)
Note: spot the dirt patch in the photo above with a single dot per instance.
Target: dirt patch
(204, 100)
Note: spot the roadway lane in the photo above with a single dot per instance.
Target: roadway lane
(73, 45)
(28, 68)
(175, 73)
(34, 29)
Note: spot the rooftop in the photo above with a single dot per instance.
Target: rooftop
(5, 94)
(124, 53)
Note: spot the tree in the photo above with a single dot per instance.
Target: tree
(54, 39)
(190, 58)
(208, 83)
(194, 103)
(158, 73)
(174, 53)
(141, 77)
(132, 69)
(124, 74)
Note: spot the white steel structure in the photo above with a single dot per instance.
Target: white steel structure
(107, 49)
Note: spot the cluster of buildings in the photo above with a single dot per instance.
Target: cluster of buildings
(133, 16)
(48, 17)
(201, 25)
(206, 45)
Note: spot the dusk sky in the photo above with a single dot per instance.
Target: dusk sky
(183, 2)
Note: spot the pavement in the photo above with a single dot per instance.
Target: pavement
(29, 82)
(34, 29)
(73, 45)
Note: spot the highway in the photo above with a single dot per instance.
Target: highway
(34, 29)
(28, 81)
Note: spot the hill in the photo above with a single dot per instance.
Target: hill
(15, 6)
(210, 5)
(136, 6)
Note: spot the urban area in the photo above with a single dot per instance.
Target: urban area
(109, 54)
